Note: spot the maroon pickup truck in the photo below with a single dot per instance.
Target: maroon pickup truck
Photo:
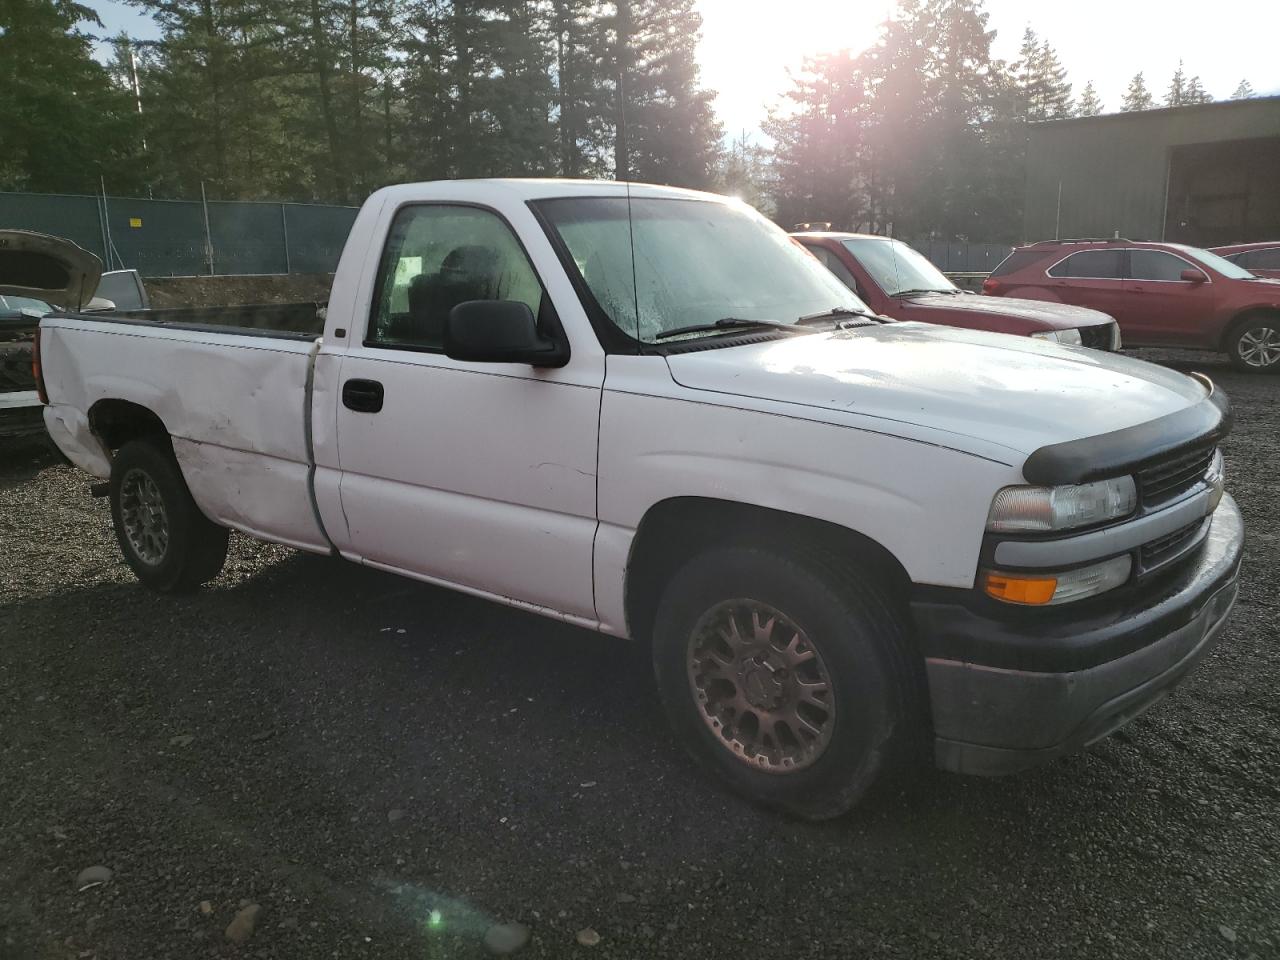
(899, 282)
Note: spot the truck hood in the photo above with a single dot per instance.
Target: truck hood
(1009, 392)
(47, 268)
(1052, 316)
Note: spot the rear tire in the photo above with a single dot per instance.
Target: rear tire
(1253, 345)
(731, 637)
(168, 543)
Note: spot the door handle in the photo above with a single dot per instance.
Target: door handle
(363, 396)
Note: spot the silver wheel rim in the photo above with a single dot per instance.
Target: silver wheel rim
(761, 686)
(142, 514)
(1259, 346)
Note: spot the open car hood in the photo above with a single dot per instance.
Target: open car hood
(47, 268)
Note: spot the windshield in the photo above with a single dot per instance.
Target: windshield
(1232, 271)
(696, 262)
(8, 302)
(896, 268)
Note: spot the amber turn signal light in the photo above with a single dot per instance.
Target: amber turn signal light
(1010, 589)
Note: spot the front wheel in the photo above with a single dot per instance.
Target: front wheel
(168, 543)
(793, 683)
(1254, 344)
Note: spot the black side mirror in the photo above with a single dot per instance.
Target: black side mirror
(500, 331)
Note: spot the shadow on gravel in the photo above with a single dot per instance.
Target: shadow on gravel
(22, 458)
(371, 681)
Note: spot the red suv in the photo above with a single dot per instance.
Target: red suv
(899, 282)
(1162, 294)
(1260, 259)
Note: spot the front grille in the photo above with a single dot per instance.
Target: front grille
(1156, 553)
(1099, 336)
(1173, 476)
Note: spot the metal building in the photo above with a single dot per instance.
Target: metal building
(1205, 175)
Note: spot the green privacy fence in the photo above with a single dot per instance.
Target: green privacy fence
(186, 238)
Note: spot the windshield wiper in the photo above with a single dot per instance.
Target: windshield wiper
(727, 323)
(914, 290)
(836, 313)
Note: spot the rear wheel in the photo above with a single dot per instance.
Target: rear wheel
(792, 683)
(1254, 344)
(168, 543)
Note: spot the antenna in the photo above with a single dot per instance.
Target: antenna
(635, 284)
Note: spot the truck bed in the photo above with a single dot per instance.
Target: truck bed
(233, 398)
(302, 319)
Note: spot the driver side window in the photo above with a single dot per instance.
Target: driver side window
(438, 256)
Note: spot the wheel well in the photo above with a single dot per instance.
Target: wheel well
(674, 531)
(1243, 317)
(116, 422)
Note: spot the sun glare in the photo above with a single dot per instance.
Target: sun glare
(748, 45)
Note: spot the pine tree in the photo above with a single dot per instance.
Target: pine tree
(819, 150)
(582, 91)
(744, 172)
(664, 127)
(214, 99)
(1022, 72)
(1196, 92)
(1244, 91)
(479, 88)
(1040, 80)
(1137, 96)
(1055, 90)
(1090, 104)
(1177, 93)
(63, 121)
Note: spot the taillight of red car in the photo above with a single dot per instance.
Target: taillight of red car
(36, 372)
(990, 285)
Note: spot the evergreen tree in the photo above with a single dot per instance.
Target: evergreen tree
(334, 81)
(1090, 104)
(819, 151)
(479, 88)
(1196, 92)
(1244, 91)
(582, 92)
(63, 121)
(918, 134)
(1137, 96)
(664, 127)
(213, 104)
(1040, 80)
(1177, 93)
(744, 172)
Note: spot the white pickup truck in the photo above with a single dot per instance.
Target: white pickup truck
(648, 412)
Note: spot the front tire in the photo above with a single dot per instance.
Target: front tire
(792, 683)
(1254, 344)
(168, 543)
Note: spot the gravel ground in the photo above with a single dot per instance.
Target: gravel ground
(388, 769)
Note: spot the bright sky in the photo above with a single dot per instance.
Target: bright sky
(748, 45)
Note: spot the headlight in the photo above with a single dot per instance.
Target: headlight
(1071, 337)
(1046, 509)
(1045, 589)
(1215, 476)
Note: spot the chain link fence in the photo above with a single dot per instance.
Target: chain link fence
(962, 256)
(179, 238)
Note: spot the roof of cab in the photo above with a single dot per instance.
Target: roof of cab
(550, 187)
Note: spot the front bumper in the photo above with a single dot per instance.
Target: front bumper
(1008, 696)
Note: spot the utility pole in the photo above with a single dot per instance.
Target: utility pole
(137, 88)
